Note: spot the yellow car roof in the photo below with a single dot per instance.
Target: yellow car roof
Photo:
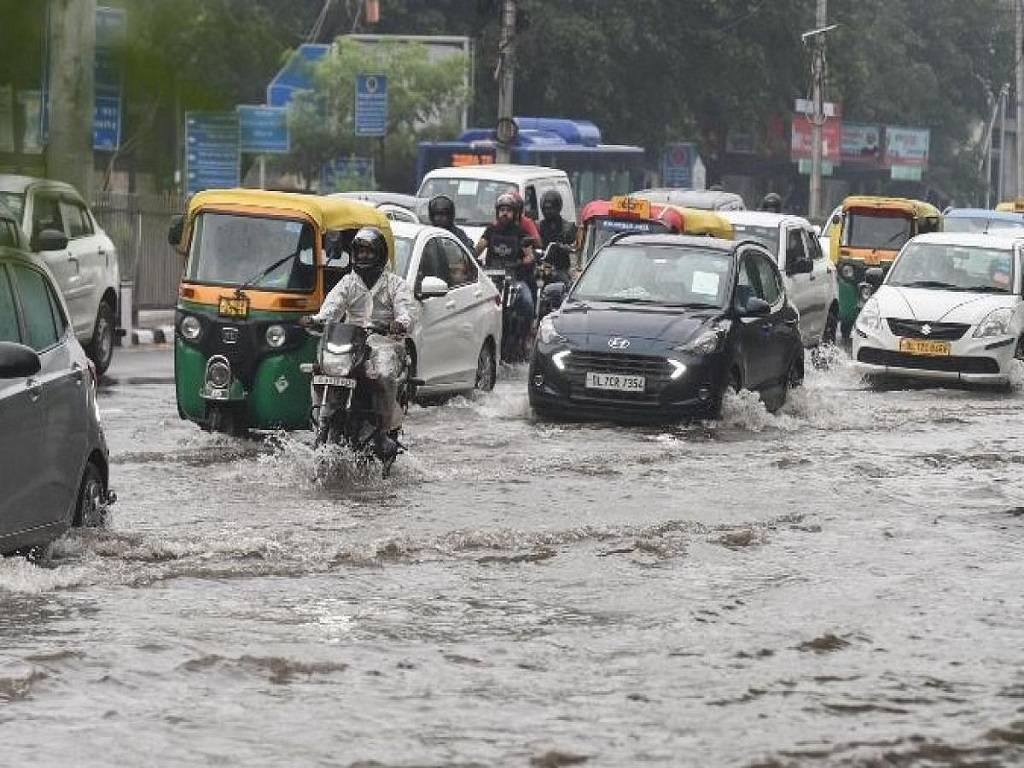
(916, 208)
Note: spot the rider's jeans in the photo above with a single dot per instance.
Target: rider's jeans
(524, 303)
(383, 368)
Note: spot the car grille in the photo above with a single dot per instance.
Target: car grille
(655, 371)
(923, 363)
(912, 329)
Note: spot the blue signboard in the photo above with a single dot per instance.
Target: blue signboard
(296, 75)
(677, 165)
(347, 174)
(371, 105)
(263, 130)
(212, 154)
(111, 24)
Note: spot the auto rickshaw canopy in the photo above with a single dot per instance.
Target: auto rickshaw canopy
(684, 221)
(916, 209)
(326, 213)
(1012, 206)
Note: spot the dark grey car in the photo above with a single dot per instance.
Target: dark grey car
(53, 455)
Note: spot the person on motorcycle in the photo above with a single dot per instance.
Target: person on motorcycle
(553, 228)
(370, 294)
(772, 203)
(528, 224)
(441, 210)
(510, 246)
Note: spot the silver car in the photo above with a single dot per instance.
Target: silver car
(54, 468)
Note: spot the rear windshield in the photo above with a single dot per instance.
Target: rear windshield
(768, 236)
(978, 224)
(14, 202)
(474, 198)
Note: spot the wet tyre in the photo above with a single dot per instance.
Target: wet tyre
(486, 368)
(90, 509)
(101, 348)
(829, 334)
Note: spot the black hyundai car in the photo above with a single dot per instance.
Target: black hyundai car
(658, 327)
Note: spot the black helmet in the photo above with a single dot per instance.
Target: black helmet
(505, 200)
(373, 239)
(551, 199)
(772, 202)
(441, 205)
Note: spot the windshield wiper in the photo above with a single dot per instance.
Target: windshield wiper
(927, 284)
(983, 289)
(694, 305)
(266, 271)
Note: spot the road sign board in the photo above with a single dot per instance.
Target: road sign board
(677, 165)
(296, 75)
(347, 174)
(263, 130)
(371, 105)
(212, 152)
(111, 26)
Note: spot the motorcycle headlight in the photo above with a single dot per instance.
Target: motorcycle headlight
(707, 341)
(847, 272)
(996, 323)
(191, 328)
(870, 317)
(337, 363)
(547, 332)
(276, 336)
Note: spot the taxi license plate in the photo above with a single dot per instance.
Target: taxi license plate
(217, 394)
(321, 380)
(925, 348)
(234, 306)
(615, 381)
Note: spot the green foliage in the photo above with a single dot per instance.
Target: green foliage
(424, 98)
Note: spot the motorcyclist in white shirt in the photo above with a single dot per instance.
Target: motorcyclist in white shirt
(369, 294)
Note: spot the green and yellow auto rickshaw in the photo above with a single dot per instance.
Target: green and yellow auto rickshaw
(255, 263)
(870, 234)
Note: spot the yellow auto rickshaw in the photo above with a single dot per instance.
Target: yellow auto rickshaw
(255, 263)
(1012, 206)
(870, 234)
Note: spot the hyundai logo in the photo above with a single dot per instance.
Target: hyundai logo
(616, 342)
(229, 335)
(926, 329)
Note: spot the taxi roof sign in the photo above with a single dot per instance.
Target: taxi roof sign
(634, 207)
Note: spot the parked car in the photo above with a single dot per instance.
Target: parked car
(705, 200)
(949, 308)
(85, 267)
(810, 278)
(395, 205)
(659, 327)
(474, 189)
(456, 341)
(54, 469)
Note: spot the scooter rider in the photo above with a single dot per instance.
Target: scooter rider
(369, 293)
(441, 210)
(509, 245)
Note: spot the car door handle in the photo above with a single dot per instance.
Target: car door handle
(478, 294)
(77, 373)
(34, 388)
(450, 305)
(812, 277)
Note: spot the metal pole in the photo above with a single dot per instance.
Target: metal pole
(1000, 181)
(263, 171)
(818, 119)
(506, 71)
(1018, 49)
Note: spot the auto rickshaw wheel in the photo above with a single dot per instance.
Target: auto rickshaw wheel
(228, 420)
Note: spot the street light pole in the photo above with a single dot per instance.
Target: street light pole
(818, 119)
(506, 73)
(1017, 51)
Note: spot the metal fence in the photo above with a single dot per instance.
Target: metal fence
(138, 226)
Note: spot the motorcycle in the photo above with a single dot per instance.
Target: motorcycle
(505, 271)
(554, 278)
(343, 410)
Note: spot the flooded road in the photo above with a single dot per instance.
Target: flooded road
(840, 584)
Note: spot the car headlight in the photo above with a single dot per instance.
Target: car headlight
(559, 359)
(707, 341)
(276, 336)
(547, 332)
(870, 317)
(191, 328)
(847, 272)
(996, 323)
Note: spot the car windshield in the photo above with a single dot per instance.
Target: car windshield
(14, 202)
(768, 236)
(954, 268)
(474, 198)
(657, 274)
(882, 233)
(269, 253)
(403, 252)
(600, 230)
(978, 224)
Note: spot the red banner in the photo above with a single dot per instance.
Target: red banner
(802, 139)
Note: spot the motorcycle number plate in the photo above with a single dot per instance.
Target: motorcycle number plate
(321, 380)
(217, 394)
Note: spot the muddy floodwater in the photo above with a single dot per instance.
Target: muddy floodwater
(840, 584)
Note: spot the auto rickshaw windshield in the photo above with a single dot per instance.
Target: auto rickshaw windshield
(887, 233)
(258, 252)
(600, 230)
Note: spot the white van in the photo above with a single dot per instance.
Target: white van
(474, 189)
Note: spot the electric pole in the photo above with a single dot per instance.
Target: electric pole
(506, 74)
(818, 119)
(1018, 50)
(72, 51)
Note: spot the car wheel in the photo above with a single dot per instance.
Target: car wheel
(1018, 352)
(101, 348)
(732, 386)
(828, 335)
(486, 368)
(794, 378)
(847, 328)
(91, 510)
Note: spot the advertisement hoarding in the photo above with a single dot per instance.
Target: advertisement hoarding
(862, 143)
(907, 146)
(802, 139)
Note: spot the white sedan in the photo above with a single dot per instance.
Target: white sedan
(456, 340)
(950, 308)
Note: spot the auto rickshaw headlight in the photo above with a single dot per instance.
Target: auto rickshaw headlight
(191, 328)
(276, 336)
(847, 271)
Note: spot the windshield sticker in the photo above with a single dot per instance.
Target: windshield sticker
(705, 283)
(468, 187)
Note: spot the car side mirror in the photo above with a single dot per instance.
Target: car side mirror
(432, 287)
(756, 307)
(176, 230)
(51, 240)
(18, 361)
(553, 295)
(874, 277)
